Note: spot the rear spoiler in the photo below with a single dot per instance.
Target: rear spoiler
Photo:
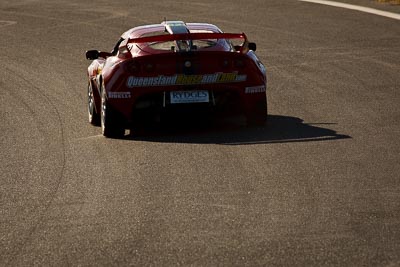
(184, 37)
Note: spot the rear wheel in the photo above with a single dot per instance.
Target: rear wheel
(94, 117)
(258, 116)
(111, 123)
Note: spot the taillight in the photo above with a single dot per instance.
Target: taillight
(133, 67)
(226, 63)
(149, 67)
(239, 63)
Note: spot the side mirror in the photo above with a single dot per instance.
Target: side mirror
(92, 54)
(253, 46)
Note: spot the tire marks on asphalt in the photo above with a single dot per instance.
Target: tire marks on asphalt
(60, 147)
(5, 23)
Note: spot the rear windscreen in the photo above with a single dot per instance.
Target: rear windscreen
(183, 45)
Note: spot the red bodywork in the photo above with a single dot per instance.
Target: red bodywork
(139, 76)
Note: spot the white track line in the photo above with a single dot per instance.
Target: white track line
(354, 7)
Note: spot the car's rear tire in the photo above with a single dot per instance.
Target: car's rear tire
(94, 116)
(111, 122)
(258, 116)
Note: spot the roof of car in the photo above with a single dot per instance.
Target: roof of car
(140, 30)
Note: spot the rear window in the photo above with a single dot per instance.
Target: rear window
(171, 45)
(204, 43)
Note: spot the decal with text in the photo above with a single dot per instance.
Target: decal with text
(119, 94)
(255, 89)
(183, 79)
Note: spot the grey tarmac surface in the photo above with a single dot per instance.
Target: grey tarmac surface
(318, 187)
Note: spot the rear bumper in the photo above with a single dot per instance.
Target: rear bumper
(225, 100)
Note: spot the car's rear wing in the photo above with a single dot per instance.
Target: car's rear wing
(185, 37)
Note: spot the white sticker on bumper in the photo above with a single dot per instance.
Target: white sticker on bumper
(255, 89)
(119, 94)
(178, 97)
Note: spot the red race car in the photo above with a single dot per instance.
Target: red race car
(175, 67)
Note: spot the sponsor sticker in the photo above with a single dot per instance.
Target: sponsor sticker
(183, 79)
(255, 89)
(119, 94)
(178, 97)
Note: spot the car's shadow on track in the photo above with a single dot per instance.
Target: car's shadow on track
(280, 129)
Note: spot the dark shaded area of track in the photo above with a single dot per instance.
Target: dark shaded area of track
(319, 186)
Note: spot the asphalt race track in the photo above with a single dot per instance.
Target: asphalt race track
(320, 186)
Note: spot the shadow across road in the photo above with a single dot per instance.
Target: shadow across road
(280, 129)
